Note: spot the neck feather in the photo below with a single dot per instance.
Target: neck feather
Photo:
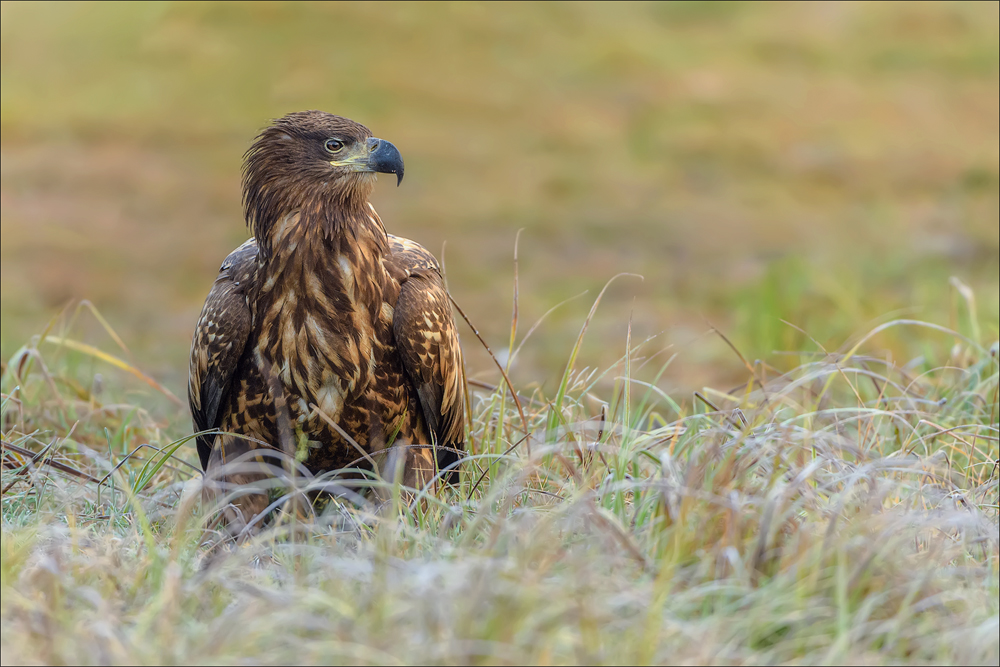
(332, 213)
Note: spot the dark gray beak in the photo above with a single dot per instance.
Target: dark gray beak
(385, 159)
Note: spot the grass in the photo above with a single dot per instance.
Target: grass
(843, 512)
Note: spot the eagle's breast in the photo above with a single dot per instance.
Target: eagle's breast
(320, 317)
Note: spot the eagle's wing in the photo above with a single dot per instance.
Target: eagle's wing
(218, 342)
(427, 341)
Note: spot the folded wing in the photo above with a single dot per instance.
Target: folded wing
(219, 339)
(427, 341)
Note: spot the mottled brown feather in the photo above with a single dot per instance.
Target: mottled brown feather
(219, 338)
(427, 342)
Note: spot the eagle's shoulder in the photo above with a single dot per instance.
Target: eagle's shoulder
(219, 339)
(406, 257)
(242, 262)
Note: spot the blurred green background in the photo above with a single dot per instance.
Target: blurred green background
(830, 164)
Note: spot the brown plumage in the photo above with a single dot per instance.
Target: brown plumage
(322, 316)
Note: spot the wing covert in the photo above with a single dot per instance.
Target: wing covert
(218, 342)
(427, 341)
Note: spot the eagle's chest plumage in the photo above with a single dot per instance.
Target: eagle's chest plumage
(322, 347)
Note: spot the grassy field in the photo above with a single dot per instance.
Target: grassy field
(778, 445)
(845, 512)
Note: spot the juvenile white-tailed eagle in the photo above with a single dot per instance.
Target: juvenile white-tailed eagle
(322, 316)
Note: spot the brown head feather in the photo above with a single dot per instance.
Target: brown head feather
(288, 169)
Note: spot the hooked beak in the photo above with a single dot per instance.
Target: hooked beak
(385, 159)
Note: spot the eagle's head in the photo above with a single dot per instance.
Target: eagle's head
(315, 163)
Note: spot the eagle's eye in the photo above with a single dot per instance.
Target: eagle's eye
(333, 145)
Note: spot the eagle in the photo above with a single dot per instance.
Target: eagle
(323, 333)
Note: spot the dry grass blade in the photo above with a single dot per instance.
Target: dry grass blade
(503, 373)
(564, 384)
(56, 465)
(114, 361)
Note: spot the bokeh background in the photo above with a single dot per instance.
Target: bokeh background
(829, 164)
